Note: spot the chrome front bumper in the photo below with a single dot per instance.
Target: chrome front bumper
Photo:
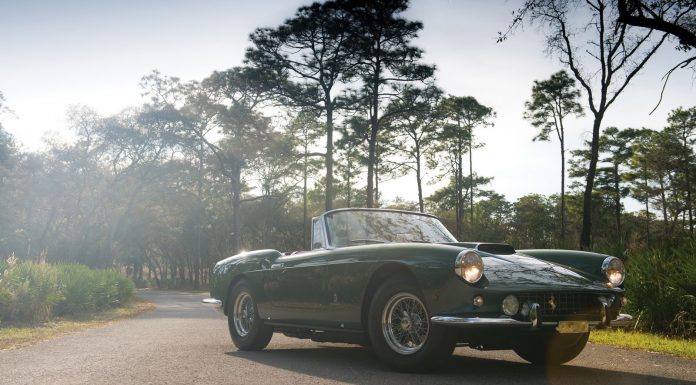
(476, 321)
(473, 322)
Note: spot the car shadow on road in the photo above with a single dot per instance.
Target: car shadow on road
(360, 366)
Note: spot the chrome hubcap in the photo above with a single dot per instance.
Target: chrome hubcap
(243, 314)
(405, 323)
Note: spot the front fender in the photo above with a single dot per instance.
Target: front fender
(228, 270)
(586, 263)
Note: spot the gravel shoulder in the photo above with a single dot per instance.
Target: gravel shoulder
(185, 342)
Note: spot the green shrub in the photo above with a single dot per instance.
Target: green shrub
(76, 282)
(31, 292)
(660, 287)
(105, 290)
(125, 289)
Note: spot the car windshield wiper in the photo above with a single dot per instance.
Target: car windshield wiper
(417, 241)
(367, 240)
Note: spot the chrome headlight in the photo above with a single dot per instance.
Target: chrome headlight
(614, 269)
(469, 265)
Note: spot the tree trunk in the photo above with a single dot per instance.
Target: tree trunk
(374, 127)
(305, 242)
(329, 153)
(617, 202)
(647, 206)
(196, 273)
(199, 220)
(460, 199)
(471, 178)
(376, 202)
(586, 235)
(418, 180)
(349, 179)
(371, 161)
(687, 174)
(563, 211)
(236, 204)
(663, 200)
(689, 207)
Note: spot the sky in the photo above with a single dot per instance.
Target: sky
(54, 54)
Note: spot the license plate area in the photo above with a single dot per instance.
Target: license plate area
(573, 327)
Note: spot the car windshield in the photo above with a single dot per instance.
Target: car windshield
(350, 228)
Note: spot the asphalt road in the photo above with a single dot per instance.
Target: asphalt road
(185, 342)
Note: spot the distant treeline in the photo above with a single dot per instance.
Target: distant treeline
(129, 193)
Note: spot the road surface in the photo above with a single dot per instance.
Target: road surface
(184, 341)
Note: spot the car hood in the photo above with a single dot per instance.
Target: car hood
(518, 270)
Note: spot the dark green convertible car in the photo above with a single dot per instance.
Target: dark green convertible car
(401, 283)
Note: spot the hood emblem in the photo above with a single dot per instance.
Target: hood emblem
(552, 303)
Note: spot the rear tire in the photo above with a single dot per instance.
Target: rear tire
(246, 328)
(400, 330)
(553, 349)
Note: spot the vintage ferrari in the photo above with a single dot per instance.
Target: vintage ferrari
(400, 283)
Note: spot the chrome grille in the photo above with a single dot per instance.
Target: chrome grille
(564, 304)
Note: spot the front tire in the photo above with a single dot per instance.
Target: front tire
(246, 328)
(400, 330)
(553, 349)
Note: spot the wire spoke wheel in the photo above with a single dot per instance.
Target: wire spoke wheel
(405, 323)
(243, 314)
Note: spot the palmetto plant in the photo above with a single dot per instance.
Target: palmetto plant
(33, 291)
(76, 282)
(660, 285)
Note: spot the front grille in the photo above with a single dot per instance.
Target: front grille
(564, 304)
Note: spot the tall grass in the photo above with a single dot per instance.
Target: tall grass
(31, 292)
(661, 286)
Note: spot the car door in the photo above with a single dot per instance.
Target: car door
(296, 288)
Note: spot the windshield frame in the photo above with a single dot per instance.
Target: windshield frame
(327, 231)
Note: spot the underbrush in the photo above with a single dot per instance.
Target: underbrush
(32, 292)
(661, 287)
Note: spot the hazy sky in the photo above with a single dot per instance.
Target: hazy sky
(57, 53)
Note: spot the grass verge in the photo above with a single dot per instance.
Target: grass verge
(16, 336)
(645, 341)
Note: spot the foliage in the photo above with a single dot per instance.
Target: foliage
(675, 17)
(661, 289)
(33, 292)
(309, 57)
(414, 122)
(553, 100)
(461, 115)
(591, 45)
(386, 61)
